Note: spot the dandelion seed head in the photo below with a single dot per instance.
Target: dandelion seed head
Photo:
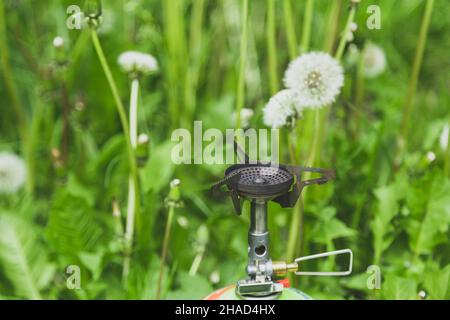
(175, 183)
(138, 62)
(214, 277)
(374, 60)
(58, 42)
(143, 138)
(246, 115)
(12, 173)
(422, 294)
(282, 109)
(183, 221)
(431, 156)
(316, 78)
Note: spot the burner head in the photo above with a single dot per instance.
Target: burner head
(279, 183)
(259, 181)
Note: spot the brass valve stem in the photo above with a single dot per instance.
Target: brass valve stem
(282, 267)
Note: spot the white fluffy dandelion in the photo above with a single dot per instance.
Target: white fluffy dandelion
(282, 109)
(374, 60)
(138, 62)
(316, 78)
(246, 115)
(12, 172)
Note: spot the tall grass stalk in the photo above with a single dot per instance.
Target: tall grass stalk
(125, 128)
(195, 53)
(412, 87)
(343, 41)
(359, 93)
(175, 40)
(10, 86)
(164, 250)
(307, 26)
(332, 26)
(322, 115)
(271, 47)
(242, 63)
(290, 30)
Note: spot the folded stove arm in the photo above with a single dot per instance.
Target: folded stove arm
(289, 199)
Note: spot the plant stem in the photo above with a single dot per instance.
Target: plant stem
(242, 63)
(133, 192)
(307, 24)
(343, 41)
(365, 188)
(333, 22)
(125, 128)
(134, 112)
(447, 155)
(296, 226)
(271, 46)
(164, 250)
(8, 78)
(196, 263)
(402, 143)
(359, 92)
(195, 56)
(290, 31)
(175, 42)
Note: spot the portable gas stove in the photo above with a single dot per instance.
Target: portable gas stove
(259, 184)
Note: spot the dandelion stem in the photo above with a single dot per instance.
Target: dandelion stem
(447, 156)
(133, 192)
(164, 250)
(124, 121)
(402, 143)
(271, 46)
(242, 64)
(290, 31)
(307, 24)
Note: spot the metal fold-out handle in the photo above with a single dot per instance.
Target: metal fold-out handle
(326, 273)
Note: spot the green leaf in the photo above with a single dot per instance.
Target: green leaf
(387, 209)
(191, 287)
(426, 232)
(159, 169)
(397, 288)
(72, 226)
(329, 227)
(93, 262)
(436, 281)
(23, 258)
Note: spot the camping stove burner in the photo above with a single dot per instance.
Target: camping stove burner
(260, 183)
(258, 180)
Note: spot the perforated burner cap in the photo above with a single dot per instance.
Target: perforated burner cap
(259, 180)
